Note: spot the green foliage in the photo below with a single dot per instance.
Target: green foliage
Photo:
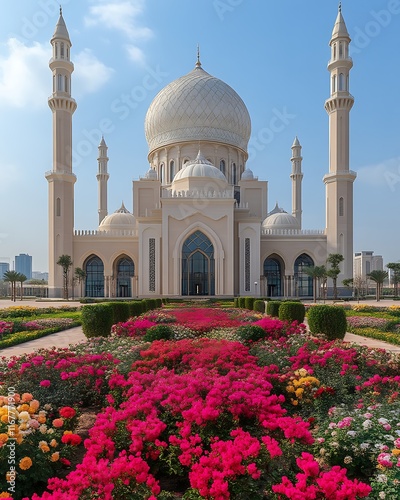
(273, 308)
(259, 306)
(251, 333)
(328, 320)
(292, 311)
(236, 302)
(97, 320)
(120, 311)
(136, 308)
(159, 302)
(242, 302)
(248, 303)
(158, 332)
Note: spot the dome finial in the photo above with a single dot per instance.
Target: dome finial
(340, 6)
(198, 63)
(60, 10)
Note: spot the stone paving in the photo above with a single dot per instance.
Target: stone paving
(75, 335)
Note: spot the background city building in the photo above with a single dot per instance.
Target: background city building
(23, 264)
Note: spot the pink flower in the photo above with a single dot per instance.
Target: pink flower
(45, 383)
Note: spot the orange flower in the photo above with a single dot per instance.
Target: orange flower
(4, 418)
(34, 406)
(23, 407)
(3, 494)
(396, 452)
(58, 422)
(44, 446)
(26, 397)
(53, 443)
(41, 419)
(25, 463)
(55, 456)
(3, 438)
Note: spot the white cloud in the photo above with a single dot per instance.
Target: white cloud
(24, 75)
(120, 15)
(386, 173)
(90, 73)
(135, 54)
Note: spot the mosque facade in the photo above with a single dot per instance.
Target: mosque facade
(199, 223)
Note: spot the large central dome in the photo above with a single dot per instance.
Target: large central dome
(197, 107)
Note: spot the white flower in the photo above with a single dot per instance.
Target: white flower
(43, 428)
(383, 421)
(24, 416)
(347, 460)
(367, 424)
(381, 478)
(352, 433)
(382, 494)
(364, 446)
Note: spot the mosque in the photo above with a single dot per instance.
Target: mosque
(199, 223)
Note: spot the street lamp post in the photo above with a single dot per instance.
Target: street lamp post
(255, 288)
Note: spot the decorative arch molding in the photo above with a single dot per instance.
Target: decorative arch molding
(219, 256)
(94, 282)
(273, 271)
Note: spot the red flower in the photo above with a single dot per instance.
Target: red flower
(72, 439)
(67, 412)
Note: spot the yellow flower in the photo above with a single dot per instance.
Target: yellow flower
(23, 407)
(55, 456)
(24, 416)
(396, 452)
(290, 388)
(299, 392)
(25, 463)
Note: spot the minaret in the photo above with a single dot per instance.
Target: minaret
(102, 178)
(339, 180)
(61, 179)
(297, 177)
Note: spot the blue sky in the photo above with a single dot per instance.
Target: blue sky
(274, 54)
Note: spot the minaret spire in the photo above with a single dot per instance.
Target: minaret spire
(339, 180)
(102, 178)
(297, 177)
(198, 63)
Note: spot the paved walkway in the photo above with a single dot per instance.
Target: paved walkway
(75, 335)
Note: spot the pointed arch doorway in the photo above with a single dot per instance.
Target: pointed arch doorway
(198, 265)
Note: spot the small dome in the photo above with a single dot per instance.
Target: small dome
(281, 220)
(247, 175)
(120, 219)
(200, 167)
(151, 174)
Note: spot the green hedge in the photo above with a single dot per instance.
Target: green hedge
(236, 302)
(249, 303)
(242, 302)
(97, 320)
(120, 311)
(292, 311)
(136, 308)
(273, 308)
(158, 332)
(259, 306)
(251, 333)
(328, 320)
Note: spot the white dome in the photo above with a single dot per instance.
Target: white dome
(120, 219)
(151, 174)
(197, 107)
(281, 220)
(200, 167)
(247, 175)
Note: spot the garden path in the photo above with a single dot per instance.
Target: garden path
(75, 335)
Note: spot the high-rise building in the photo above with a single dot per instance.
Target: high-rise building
(4, 267)
(23, 264)
(365, 262)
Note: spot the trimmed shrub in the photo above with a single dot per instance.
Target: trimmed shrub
(328, 320)
(97, 320)
(292, 311)
(120, 311)
(136, 308)
(150, 304)
(241, 302)
(251, 333)
(259, 306)
(236, 302)
(158, 332)
(249, 302)
(273, 308)
(159, 303)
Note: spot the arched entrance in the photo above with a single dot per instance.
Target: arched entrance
(198, 265)
(125, 269)
(303, 282)
(273, 276)
(94, 283)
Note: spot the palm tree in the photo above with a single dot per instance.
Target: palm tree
(379, 277)
(21, 279)
(12, 277)
(395, 267)
(334, 259)
(80, 275)
(316, 273)
(65, 262)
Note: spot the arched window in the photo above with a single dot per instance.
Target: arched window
(67, 52)
(273, 275)
(94, 284)
(58, 207)
(333, 83)
(54, 83)
(222, 166)
(162, 173)
(341, 50)
(198, 265)
(171, 170)
(303, 282)
(59, 82)
(341, 81)
(234, 174)
(66, 84)
(56, 50)
(334, 51)
(341, 206)
(125, 270)
(62, 50)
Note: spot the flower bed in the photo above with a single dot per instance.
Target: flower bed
(211, 418)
